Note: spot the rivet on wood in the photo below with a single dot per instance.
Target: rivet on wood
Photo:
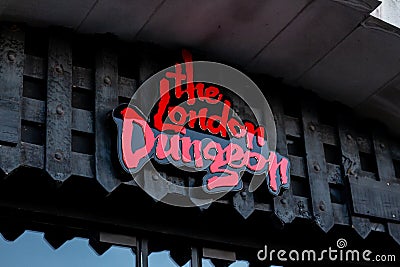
(58, 156)
(312, 127)
(322, 206)
(388, 184)
(284, 201)
(243, 193)
(11, 56)
(59, 69)
(349, 137)
(60, 110)
(317, 167)
(393, 216)
(382, 145)
(107, 80)
(154, 177)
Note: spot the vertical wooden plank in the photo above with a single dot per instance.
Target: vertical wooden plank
(180, 254)
(106, 99)
(12, 41)
(316, 166)
(394, 232)
(243, 201)
(11, 80)
(99, 247)
(154, 183)
(59, 107)
(386, 171)
(383, 156)
(284, 204)
(352, 165)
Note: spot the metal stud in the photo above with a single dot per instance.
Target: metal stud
(11, 56)
(322, 206)
(59, 69)
(317, 167)
(107, 80)
(58, 156)
(60, 110)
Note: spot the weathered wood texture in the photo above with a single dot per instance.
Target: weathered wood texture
(106, 98)
(284, 205)
(59, 109)
(317, 167)
(351, 166)
(11, 81)
(387, 197)
(55, 117)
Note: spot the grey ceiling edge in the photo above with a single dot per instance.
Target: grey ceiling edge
(378, 24)
(360, 5)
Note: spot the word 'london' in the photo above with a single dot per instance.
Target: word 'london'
(169, 137)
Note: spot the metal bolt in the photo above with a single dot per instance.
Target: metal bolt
(382, 145)
(388, 184)
(60, 110)
(58, 156)
(312, 127)
(393, 216)
(317, 167)
(349, 137)
(107, 80)
(322, 206)
(11, 56)
(284, 201)
(243, 194)
(59, 69)
(154, 177)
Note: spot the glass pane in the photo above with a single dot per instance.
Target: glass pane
(239, 264)
(208, 263)
(30, 249)
(162, 258)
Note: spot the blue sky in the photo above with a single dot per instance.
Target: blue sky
(31, 250)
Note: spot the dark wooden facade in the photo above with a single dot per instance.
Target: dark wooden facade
(59, 175)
